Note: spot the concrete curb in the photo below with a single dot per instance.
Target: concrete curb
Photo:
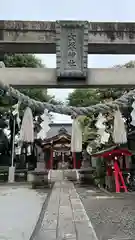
(14, 184)
(41, 215)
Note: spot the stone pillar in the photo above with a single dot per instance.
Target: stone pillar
(40, 159)
(93, 162)
(2, 39)
(11, 174)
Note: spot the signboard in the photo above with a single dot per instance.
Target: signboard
(71, 49)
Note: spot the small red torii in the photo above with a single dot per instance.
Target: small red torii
(114, 155)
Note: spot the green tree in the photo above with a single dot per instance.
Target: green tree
(25, 60)
(22, 60)
(88, 97)
(28, 60)
(83, 97)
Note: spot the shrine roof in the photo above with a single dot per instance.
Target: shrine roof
(57, 128)
(115, 149)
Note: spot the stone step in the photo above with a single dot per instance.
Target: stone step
(62, 174)
(56, 175)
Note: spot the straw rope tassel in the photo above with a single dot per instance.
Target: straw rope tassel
(76, 139)
(27, 128)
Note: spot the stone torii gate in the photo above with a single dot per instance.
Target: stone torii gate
(72, 41)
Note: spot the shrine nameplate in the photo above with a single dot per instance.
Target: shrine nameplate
(71, 49)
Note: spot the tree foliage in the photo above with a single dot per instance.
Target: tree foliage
(22, 60)
(88, 97)
(25, 60)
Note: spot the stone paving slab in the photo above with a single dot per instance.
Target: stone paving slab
(65, 217)
(19, 211)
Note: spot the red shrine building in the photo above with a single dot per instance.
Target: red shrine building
(117, 161)
(57, 148)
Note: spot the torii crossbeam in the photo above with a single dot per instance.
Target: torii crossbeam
(72, 41)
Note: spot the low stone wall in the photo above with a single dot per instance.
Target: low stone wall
(38, 178)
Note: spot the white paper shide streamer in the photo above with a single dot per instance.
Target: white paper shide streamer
(133, 114)
(76, 138)
(44, 126)
(104, 136)
(27, 128)
(89, 149)
(15, 112)
(119, 132)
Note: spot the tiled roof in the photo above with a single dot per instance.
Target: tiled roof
(56, 127)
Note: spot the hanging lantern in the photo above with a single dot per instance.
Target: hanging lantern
(27, 128)
(119, 132)
(76, 138)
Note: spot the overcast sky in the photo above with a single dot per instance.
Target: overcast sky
(91, 10)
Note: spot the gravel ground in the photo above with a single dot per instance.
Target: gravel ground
(112, 216)
(20, 207)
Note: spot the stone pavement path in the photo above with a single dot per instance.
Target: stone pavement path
(65, 217)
